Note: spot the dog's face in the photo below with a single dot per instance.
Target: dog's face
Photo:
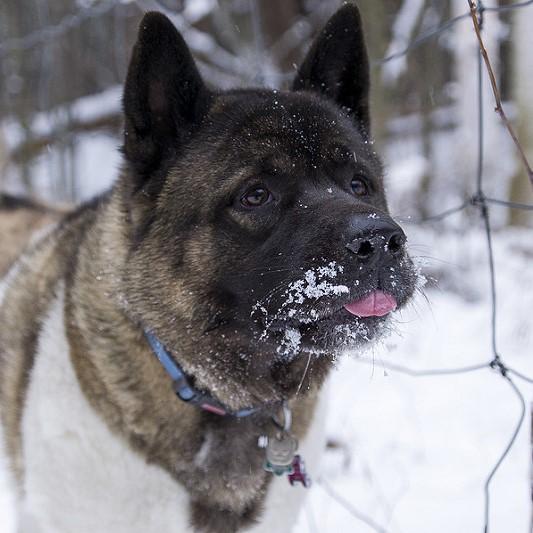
(258, 221)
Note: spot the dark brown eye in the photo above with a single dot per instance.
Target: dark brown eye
(256, 197)
(359, 187)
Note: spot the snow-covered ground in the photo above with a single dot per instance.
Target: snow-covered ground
(412, 453)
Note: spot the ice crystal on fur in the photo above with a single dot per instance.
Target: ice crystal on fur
(315, 284)
(290, 344)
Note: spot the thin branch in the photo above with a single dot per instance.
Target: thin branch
(497, 97)
(51, 32)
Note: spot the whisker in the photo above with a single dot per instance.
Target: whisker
(437, 259)
(271, 268)
(415, 246)
(304, 374)
(422, 292)
(272, 292)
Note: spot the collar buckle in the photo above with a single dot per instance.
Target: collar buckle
(183, 389)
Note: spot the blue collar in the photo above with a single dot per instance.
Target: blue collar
(184, 390)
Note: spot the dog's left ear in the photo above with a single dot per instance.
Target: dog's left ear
(164, 95)
(337, 66)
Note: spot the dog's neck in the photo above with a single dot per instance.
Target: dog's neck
(127, 386)
(186, 391)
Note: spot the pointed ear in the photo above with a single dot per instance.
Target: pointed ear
(337, 66)
(164, 95)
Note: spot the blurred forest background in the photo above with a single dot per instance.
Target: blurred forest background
(62, 63)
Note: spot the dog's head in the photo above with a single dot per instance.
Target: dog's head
(257, 220)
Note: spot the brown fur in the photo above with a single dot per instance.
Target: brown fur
(17, 227)
(172, 249)
(26, 301)
(125, 383)
(119, 374)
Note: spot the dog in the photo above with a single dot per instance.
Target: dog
(20, 222)
(164, 346)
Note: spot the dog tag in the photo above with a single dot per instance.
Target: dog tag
(280, 453)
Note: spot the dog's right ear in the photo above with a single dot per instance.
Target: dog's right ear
(164, 96)
(337, 66)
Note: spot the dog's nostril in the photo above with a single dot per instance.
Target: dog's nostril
(364, 250)
(396, 243)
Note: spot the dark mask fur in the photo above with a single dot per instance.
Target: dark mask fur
(210, 276)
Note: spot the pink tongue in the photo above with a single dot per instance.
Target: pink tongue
(376, 303)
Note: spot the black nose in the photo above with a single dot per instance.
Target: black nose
(375, 236)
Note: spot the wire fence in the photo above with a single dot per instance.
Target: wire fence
(435, 32)
(480, 202)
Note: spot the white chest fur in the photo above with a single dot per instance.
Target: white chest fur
(79, 476)
(82, 478)
(7, 483)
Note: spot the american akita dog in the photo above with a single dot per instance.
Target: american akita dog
(246, 242)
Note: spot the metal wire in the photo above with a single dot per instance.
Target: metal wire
(350, 507)
(519, 375)
(445, 214)
(429, 34)
(472, 201)
(480, 201)
(513, 205)
(422, 38)
(486, 487)
(426, 373)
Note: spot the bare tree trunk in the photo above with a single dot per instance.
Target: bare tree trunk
(520, 189)
(377, 18)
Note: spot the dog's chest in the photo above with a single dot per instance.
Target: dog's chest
(81, 477)
(78, 475)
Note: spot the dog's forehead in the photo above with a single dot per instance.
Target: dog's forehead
(293, 126)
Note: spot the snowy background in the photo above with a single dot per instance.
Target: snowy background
(409, 454)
